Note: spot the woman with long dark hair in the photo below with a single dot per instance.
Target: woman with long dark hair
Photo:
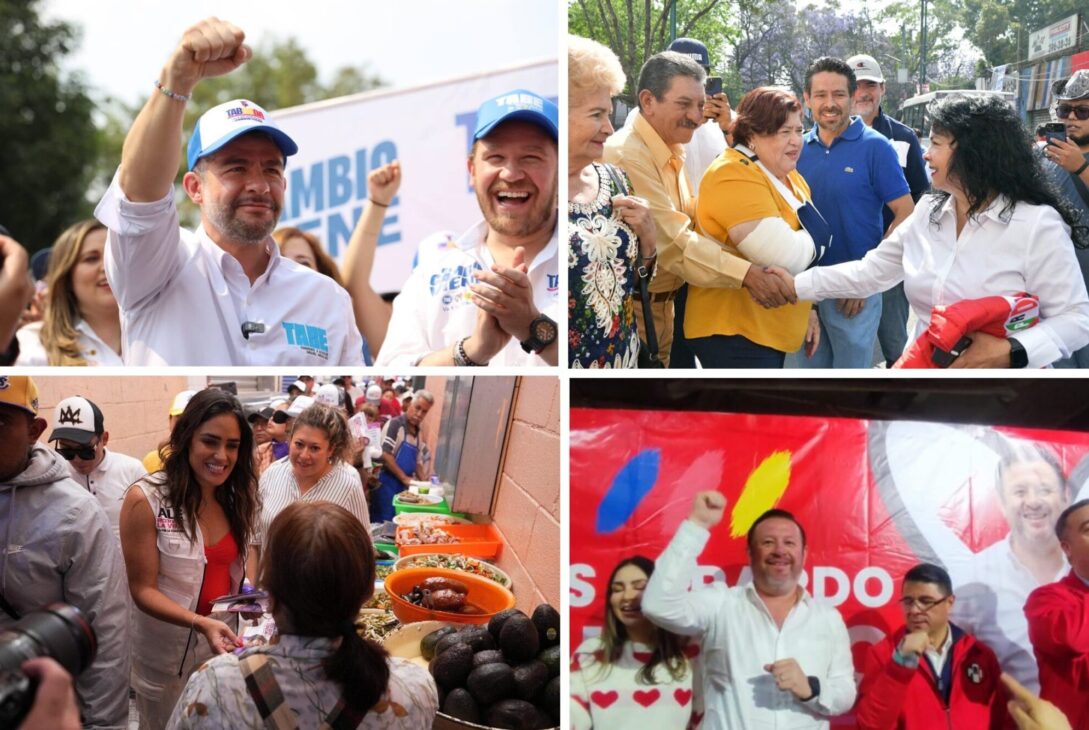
(184, 532)
(319, 569)
(993, 226)
(631, 662)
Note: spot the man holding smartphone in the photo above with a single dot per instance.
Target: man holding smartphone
(1066, 162)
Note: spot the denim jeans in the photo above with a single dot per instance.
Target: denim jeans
(845, 343)
(734, 351)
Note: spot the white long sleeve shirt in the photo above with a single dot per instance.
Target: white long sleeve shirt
(435, 308)
(738, 636)
(183, 299)
(109, 482)
(1031, 252)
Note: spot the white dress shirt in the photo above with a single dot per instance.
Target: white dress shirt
(108, 483)
(184, 299)
(1031, 252)
(738, 636)
(278, 488)
(435, 309)
(91, 347)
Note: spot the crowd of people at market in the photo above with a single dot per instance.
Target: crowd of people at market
(281, 499)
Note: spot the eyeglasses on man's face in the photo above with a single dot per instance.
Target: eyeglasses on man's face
(926, 603)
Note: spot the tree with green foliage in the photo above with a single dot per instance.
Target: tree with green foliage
(635, 30)
(46, 128)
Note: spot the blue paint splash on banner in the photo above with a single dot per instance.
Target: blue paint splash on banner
(631, 484)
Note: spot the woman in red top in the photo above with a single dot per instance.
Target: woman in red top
(183, 533)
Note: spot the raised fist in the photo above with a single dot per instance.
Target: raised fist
(708, 509)
(212, 47)
(383, 182)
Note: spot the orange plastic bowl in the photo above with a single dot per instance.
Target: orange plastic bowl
(488, 595)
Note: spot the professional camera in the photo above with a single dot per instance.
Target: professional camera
(58, 631)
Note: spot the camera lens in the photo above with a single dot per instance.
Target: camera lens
(58, 631)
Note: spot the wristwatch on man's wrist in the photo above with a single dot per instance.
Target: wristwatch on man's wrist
(1018, 356)
(542, 333)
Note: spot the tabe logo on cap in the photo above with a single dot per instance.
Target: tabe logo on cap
(221, 124)
(518, 104)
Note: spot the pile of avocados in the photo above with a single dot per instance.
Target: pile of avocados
(504, 675)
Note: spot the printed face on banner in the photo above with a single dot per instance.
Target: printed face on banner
(875, 498)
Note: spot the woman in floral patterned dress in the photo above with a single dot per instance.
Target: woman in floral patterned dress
(610, 231)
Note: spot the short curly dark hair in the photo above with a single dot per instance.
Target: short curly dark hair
(763, 111)
(994, 154)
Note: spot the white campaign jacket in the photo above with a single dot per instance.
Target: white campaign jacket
(58, 546)
(161, 651)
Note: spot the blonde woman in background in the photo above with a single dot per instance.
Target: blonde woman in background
(81, 324)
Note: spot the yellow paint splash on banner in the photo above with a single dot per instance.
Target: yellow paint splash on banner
(763, 489)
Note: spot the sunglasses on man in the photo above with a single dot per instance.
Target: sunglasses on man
(83, 452)
(1081, 112)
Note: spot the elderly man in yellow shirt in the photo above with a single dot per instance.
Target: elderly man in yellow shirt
(651, 152)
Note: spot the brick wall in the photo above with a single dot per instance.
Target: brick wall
(527, 507)
(134, 408)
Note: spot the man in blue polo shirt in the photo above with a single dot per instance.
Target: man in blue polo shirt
(854, 173)
(892, 332)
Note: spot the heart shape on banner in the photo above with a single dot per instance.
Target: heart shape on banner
(604, 699)
(646, 698)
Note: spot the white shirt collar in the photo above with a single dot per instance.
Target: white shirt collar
(220, 255)
(473, 241)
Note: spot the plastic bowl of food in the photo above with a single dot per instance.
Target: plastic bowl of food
(483, 598)
(453, 561)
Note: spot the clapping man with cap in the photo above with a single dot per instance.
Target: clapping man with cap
(58, 547)
(220, 295)
(494, 300)
(80, 436)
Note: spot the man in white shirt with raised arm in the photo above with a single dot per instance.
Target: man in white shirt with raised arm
(220, 295)
(771, 655)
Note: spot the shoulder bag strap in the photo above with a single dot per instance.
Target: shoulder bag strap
(643, 275)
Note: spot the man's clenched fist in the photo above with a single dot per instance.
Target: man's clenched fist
(708, 509)
(212, 47)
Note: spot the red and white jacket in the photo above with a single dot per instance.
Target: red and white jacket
(1058, 620)
(896, 696)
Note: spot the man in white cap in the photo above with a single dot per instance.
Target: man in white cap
(80, 436)
(58, 547)
(892, 330)
(221, 295)
(153, 460)
(494, 300)
(1066, 162)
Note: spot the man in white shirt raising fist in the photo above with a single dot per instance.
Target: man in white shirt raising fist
(767, 648)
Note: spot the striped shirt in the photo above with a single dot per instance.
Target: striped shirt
(278, 488)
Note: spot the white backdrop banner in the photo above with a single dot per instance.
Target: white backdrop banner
(428, 128)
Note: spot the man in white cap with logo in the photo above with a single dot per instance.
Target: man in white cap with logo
(220, 295)
(494, 300)
(58, 547)
(892, 330)
(80, 436)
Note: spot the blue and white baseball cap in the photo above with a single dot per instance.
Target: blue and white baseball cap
(693, 49)
(221, 124)
(517, 104)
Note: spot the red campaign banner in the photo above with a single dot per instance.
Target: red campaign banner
(875, 498)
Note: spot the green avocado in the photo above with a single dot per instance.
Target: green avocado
(529, 678)
(427, 643)
(551, 658)
(448, 640)
(479, 638)
(488, 656)
(516, 715)
(519, 640)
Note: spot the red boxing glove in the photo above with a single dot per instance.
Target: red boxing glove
(999, 316)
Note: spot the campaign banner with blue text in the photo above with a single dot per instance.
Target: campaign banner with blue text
(428, 128)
